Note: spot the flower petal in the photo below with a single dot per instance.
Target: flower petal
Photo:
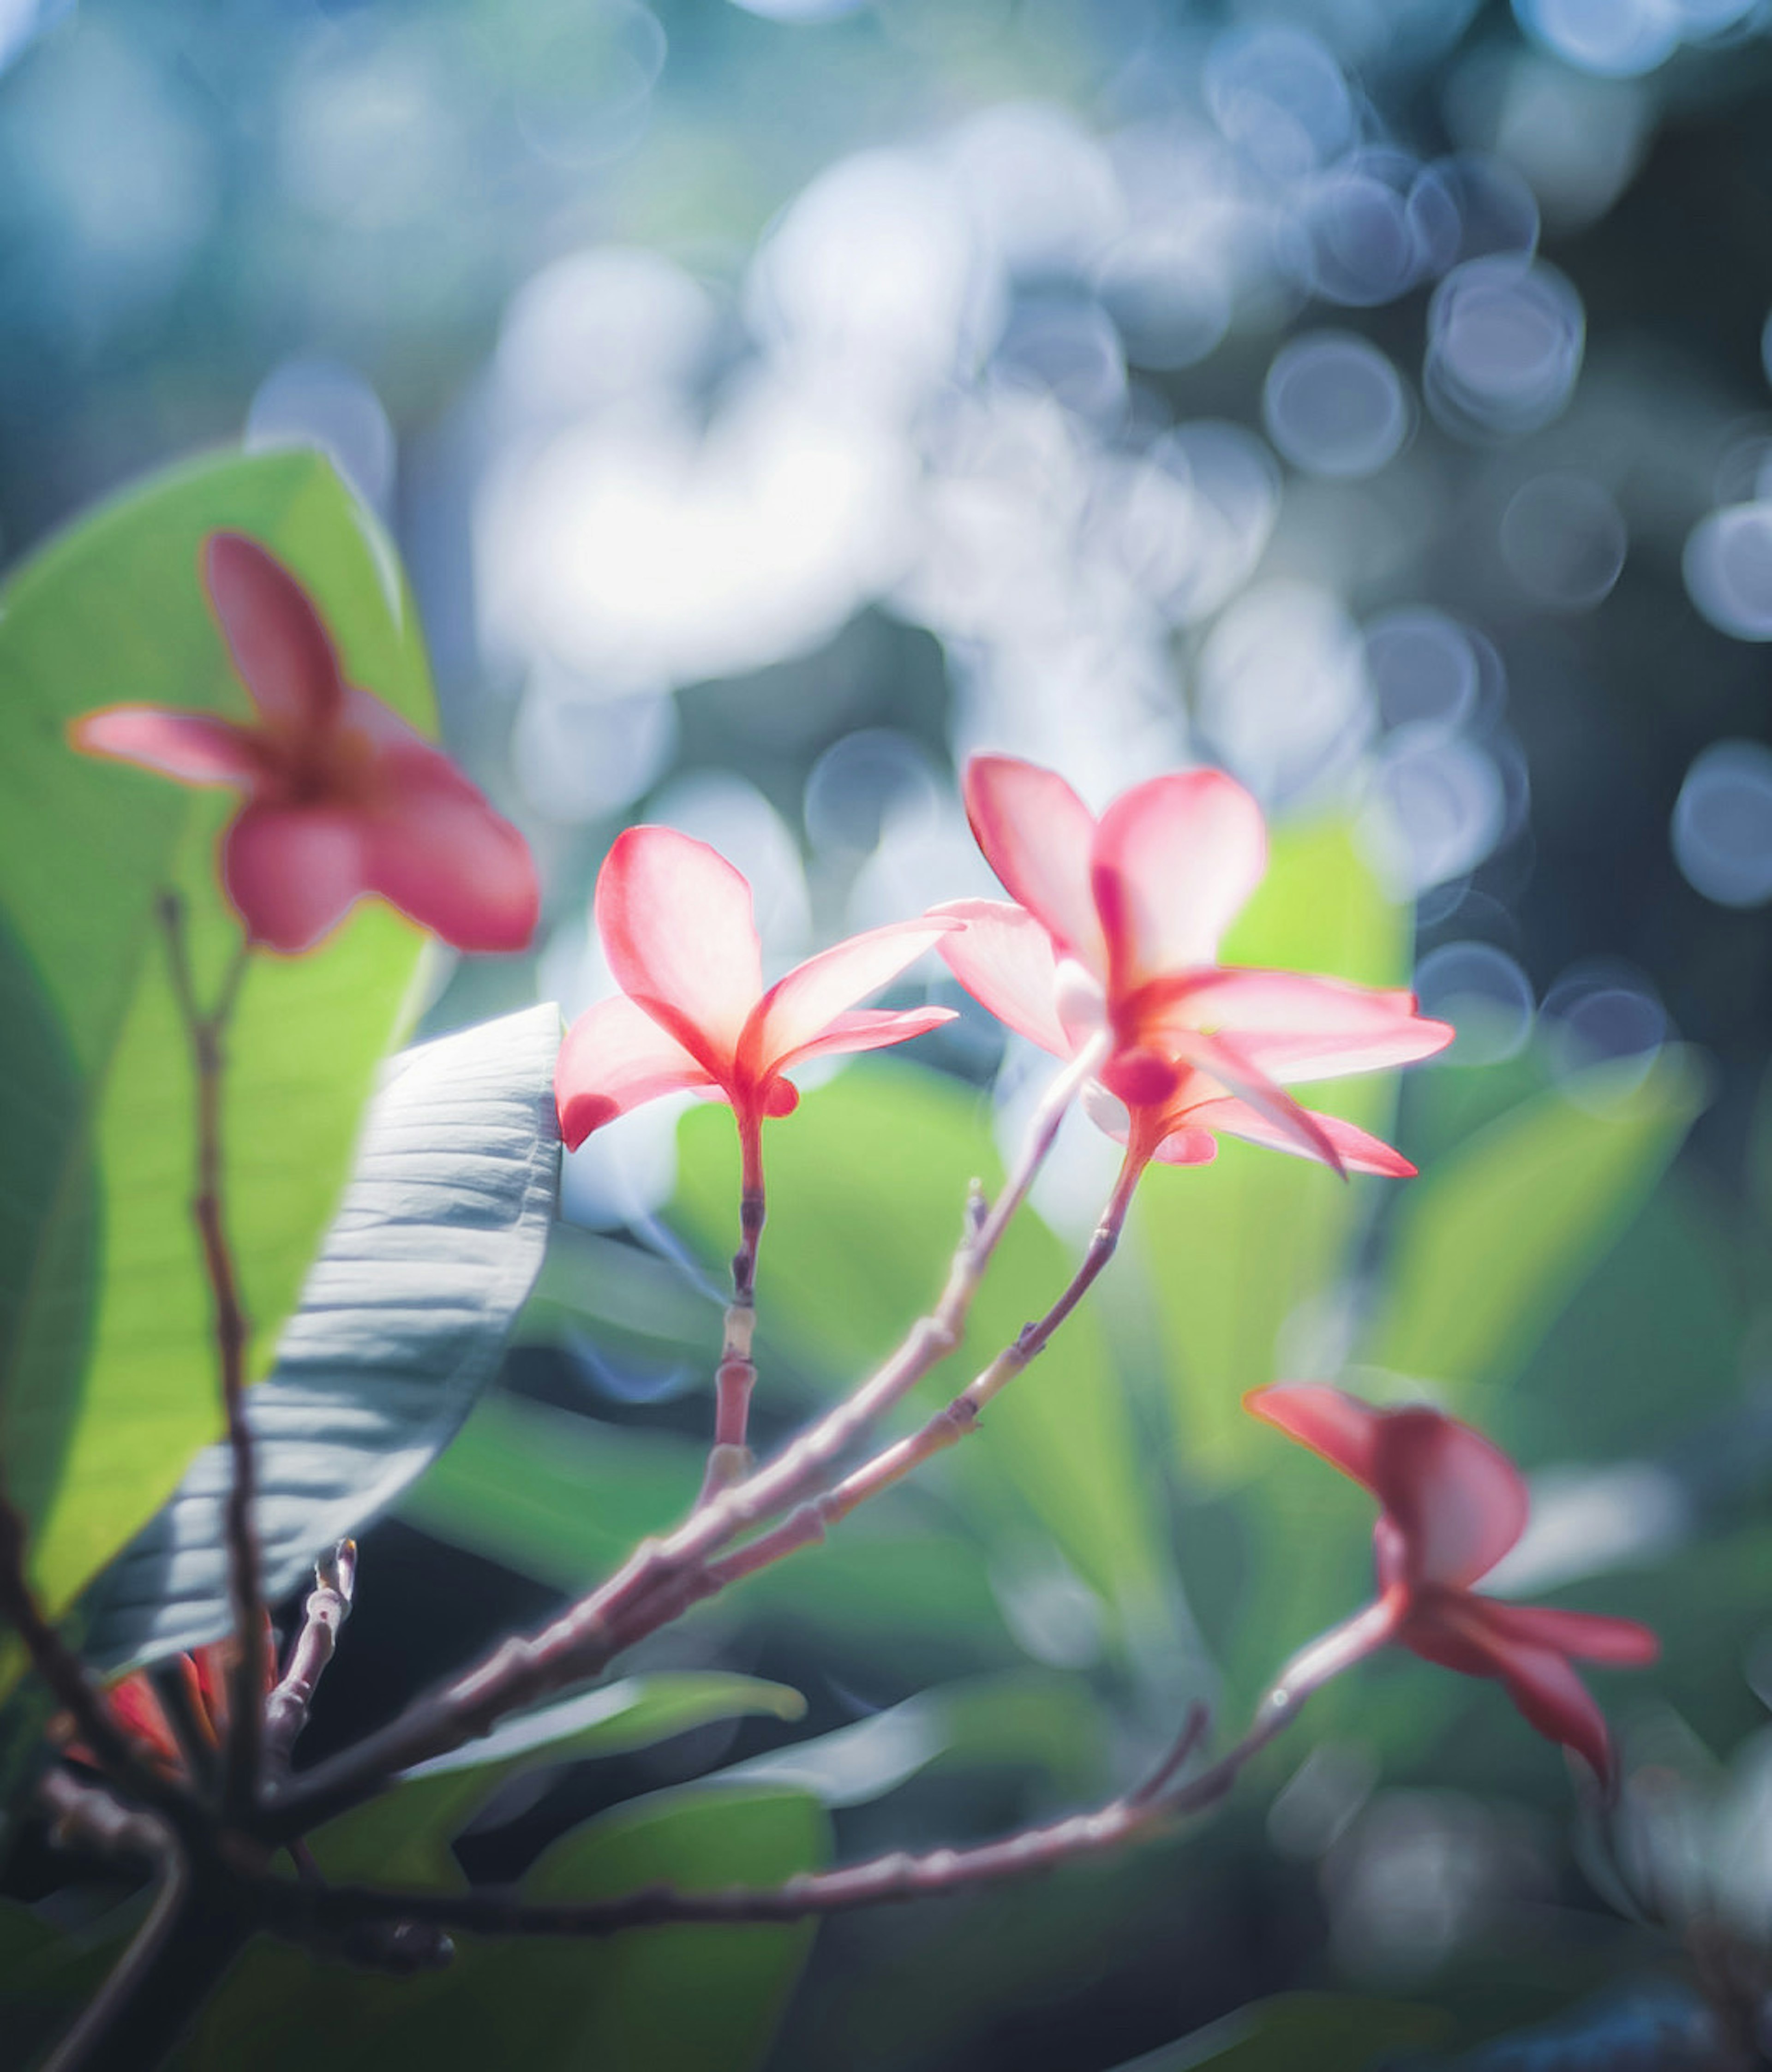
(1004, 959)
(1593, 1636)
(136, 1708)
(293, 871)
(1188, 1147)
(1338, 1427)
(1454, 1628)
(1358, 1151)
(436, 850)
(1219, 1060)
(797, 1010)
(1295, 1027)
(195, 747)
(280, 645)
(867, 1029)
(1173, 861)
(615, 1057)
(676, 924)
(1037, 834)
(1457, 1501)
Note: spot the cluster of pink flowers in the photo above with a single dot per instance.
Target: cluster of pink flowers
(1108, 945)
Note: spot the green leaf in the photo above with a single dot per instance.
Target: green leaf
(46, 1976)
(107, 1377)
(1493, 1240)
(565, 1499)
(1328, 2032)
(1235, 1250)
(671, 1999)
(867, 1183)
(402, 1320)
(404, 1837)
(619, 1718)
(1023, 1718)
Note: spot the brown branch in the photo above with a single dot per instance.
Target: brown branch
(247, 1674)
(328, 1607)
(1150, 1809)
(664, 1577)
(811, 1521)
(63, 1671)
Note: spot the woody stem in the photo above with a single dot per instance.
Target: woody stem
(662, 1578)
(729, 1460)
(247, 1672)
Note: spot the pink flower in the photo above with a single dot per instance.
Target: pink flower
(677, 928)
(343, 797)
(1452, 1505)
(1117, 928)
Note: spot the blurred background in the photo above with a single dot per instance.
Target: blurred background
(775, 402)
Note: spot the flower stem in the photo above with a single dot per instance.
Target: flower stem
(327, 1608)
(729, 1460)
(662, 1578)
(247, 1671)
(949, 1425)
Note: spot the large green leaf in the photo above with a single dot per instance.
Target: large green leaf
(440, 1234)
(867, 1182)
(107, 1372)
(1493, 1240)
(674, 1999)
(404, 1837)
(1236, 1249)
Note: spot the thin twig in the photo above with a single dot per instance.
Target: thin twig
(811, 1520)
(247, 1676)
(62, 1670)
(327, 1608)
(1149, 1809)
(85, 1816)
(663, 1577)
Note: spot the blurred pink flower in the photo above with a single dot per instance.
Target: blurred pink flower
(344, 798)
(1117, 926)
(678, 931)
(1451, 1505)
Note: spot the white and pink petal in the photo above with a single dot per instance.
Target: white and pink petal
(1174, 861)
(679, 933)
(616, 1058)
(195, 748)
(1004, 959)
(797, 1010)
(1037, 835)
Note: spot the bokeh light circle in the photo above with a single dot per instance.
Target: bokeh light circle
(1334, 405)
(1483, 993)
(1613, 38)
(1470, 206)
(1363, 247)
(1722, 824)
(1505, 340)
(1172, 305)
(1605, 1013)
(1279, 96)
(1728, 566)
(1564, 540)
(1423, 669)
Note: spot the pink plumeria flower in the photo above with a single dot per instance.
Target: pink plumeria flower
(1452, 1504)
(1115, 929)
(678, 931)
(344, 798)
